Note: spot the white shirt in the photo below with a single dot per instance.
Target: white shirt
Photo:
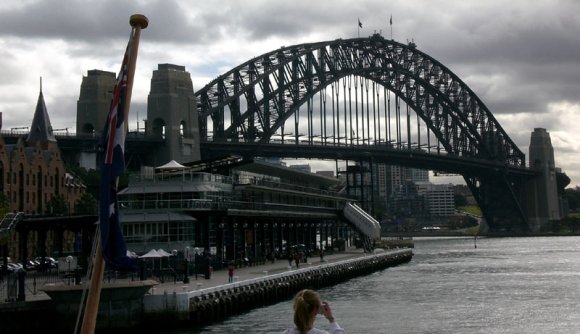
(334, 329)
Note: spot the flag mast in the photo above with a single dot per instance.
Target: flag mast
(137, 22)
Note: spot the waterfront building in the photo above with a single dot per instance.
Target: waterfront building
(234, 209)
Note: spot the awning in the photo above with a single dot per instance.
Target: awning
(151, 254)
(171, 165)
(163, 253)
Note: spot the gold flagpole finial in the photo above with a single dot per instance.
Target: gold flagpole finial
(138, 20)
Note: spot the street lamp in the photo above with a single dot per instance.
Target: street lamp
(196, 263)
(69, 260)
(174, 255)
(187, 254)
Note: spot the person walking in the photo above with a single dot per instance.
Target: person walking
(290, 259)
(297, 258)
(307, 304)
(231, 272)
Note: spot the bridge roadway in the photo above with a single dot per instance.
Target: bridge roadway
(140, 145)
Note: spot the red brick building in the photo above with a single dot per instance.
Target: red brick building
(34, 181)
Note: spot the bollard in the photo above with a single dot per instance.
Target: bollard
(77, 276)
(21, 283)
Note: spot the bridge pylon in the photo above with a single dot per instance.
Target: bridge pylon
(172, 114)
(542, 199)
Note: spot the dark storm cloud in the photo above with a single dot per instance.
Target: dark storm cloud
(98, 21)
(517, 59)
(262, 20)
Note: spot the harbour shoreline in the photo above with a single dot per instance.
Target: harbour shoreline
(177, 304)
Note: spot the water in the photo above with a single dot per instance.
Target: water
(505, 285)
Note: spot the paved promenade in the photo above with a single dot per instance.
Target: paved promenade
(220, 277)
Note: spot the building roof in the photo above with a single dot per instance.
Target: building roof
(41, 129)
(285, 173)
(170, 166)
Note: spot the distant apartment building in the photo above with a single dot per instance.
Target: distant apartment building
(438, 198)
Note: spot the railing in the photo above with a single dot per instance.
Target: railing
(202, 205)
(9, 221)
(184, 204)
(285, 186)
(33, 282)
(180, 177)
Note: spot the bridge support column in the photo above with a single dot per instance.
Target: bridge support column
(542, 202)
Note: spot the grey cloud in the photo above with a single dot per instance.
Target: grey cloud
(97, 21)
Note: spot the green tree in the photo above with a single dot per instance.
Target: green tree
(4, 205)
(573, 197)
(57, 205)
(92, 178)
(86, 205)
(460, 200)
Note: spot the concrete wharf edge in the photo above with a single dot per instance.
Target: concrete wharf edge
(203, 306)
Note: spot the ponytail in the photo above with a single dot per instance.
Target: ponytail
(305, 302)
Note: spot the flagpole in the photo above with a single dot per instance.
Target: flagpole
(391, 24)
(91, 311)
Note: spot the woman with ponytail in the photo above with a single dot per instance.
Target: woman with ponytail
(307, 305)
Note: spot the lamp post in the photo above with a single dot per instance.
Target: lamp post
(187, 254)
(69, 260)
(196, 263)
(174, 255)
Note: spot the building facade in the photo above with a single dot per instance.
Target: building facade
(247, 210)
(35, 183)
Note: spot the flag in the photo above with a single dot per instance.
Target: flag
(391, 20)
(359, 23)
(113, 145)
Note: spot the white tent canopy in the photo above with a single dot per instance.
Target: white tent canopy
(163, 253)
(171, 165)
(131, 254)
(151, 254)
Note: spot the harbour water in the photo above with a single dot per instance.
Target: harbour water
(505, 285)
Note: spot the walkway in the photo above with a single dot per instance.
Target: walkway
(220, 277)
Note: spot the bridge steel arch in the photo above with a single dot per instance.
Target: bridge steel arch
(276, 84)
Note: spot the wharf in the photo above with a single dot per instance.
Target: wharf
(201, 301)
(220, 277)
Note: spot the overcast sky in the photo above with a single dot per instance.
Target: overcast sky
(521, 57)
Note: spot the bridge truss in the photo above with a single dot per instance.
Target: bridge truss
(378, 99)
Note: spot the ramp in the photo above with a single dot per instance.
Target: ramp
(368, 226)
(10, 221)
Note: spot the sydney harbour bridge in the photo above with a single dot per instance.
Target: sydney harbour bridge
(363, 100)
(367, 100)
